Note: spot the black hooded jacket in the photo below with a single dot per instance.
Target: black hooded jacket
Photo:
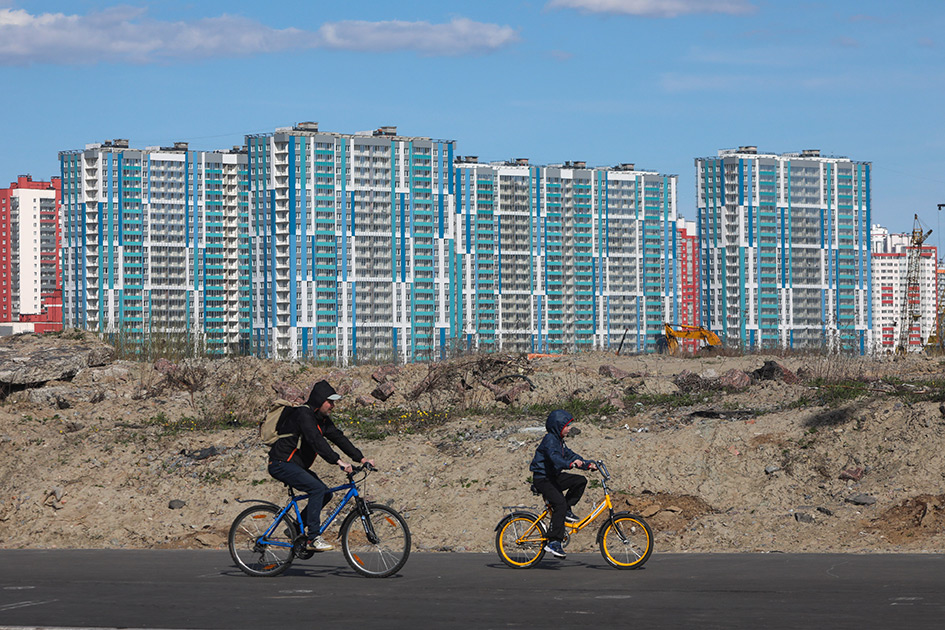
(552, 455)
(316, 430)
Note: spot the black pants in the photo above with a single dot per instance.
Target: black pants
(554, 492)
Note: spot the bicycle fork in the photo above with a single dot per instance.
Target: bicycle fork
(600, 534)
(366, 521)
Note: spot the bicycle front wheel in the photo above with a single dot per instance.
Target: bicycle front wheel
(625, 541)
(256, 553)
(377, 544)
(520, 540)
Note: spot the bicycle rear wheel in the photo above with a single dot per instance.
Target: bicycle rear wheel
(626, 541)
(520, 540)
(255, 553)
(377, 546)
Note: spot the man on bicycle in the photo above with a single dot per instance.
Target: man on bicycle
(551, 456)
(308, 429)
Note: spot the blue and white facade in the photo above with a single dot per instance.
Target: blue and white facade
(156, 241)
(354, 245)
(785, 249)
(565, 257)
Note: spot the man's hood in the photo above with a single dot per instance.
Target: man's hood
(557, 420)
(321, 391)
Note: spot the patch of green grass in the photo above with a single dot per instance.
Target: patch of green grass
(640, 402)
(931, 390)
(377, 424)
(187, 424)
(216, 476)
(832, 393)
(584, 410)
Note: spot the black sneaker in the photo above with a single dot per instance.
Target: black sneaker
(554, 547)
(571, 517)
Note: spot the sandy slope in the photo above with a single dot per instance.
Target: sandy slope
(754, 470)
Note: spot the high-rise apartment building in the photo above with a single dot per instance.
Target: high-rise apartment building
(785, 249)
(890, 259)
(157, 243)
(354, 245)
(565, 257)
(29, 253)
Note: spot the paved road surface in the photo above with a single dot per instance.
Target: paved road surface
(203, 589)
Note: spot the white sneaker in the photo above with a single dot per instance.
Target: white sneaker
(319, 544)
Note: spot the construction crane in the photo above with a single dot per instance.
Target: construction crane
(669, 340)
(938, 337)
(909, 308)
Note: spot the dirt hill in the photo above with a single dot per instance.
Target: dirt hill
(720, 453)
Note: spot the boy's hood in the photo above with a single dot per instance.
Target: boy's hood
(557, 420)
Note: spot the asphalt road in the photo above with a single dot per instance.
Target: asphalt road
(203, 589)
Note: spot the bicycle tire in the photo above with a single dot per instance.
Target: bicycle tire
(631, 551)
(378, 559)
(253, 553)
(514, 550)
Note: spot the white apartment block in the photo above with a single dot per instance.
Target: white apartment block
(355, 245)
(890, 260)
(785, 249)
(565, 257)
(156, 241)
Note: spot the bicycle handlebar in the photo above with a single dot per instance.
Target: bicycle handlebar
(366, 466)
(602, 467)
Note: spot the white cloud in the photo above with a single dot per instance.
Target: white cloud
(125, 34)
(656, 8)
(459, 37)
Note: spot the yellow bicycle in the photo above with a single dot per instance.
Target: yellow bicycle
(625, 539)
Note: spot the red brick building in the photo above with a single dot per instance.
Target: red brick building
(30, 274)
(688, 280)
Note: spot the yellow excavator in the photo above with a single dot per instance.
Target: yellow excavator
(669, 340)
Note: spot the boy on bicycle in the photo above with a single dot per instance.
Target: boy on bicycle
(560, 489)
(308, 428)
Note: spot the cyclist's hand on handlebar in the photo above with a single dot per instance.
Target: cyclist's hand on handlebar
(591, 466)
(368, 463)
(345, 466)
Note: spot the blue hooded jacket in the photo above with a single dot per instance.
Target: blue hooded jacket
(552, 455)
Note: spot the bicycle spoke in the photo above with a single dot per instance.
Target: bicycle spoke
(626, 542)
(520, 540)
(255, 553)
(383, 557)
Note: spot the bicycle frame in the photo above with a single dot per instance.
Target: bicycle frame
(293, 504)
(605, 504)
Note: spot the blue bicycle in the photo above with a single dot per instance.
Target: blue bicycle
(265, 538)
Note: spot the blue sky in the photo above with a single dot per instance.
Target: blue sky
(654, 82)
